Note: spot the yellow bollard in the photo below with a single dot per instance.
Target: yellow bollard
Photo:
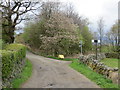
(61, 56)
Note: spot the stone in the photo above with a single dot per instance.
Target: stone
(114, 77)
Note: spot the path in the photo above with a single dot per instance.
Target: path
(50, 73)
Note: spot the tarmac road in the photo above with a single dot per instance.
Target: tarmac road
(51, 73)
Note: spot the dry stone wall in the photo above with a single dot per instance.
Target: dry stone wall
(100, 67)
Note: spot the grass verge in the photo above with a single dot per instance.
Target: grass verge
(24, 76)
(111, 62)
(93, 76)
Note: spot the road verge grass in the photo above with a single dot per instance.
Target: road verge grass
(23, 76)
(93, 76)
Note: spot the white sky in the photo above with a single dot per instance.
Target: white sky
(94, 9)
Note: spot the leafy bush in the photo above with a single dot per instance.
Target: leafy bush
(19, 48)
(23, 76)
(112, 55)
(2, 44)
(7, 63)
(12, 56)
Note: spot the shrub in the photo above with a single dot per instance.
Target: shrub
(12, 60)
(19, 48)
(112, 55)
(2, 44)
(7, 63)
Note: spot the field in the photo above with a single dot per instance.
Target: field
(110, 62)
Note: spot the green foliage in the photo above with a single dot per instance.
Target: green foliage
(7, 63)
(57, 35)
(13, 53)
(87, 37)
(112, 35)
(26, 73)
(2, 44)
(97, 78)
(32, 34)
(106, 49)
(5, 29)
(19, 39)
(55, 32)
(112, 55)
(111, 62)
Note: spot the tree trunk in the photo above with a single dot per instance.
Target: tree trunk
(8, 34)
(11, 34)
(11, 29)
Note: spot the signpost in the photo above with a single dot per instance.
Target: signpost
(96, 42)
(80, 45)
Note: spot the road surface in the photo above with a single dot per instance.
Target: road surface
(51, 73)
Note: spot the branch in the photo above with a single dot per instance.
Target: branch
(26, 11)
(35, 13)
(30, 6)
(3, 6)
(15, 6)
(20, 21)
(15, 20)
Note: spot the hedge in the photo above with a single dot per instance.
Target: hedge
(112, 55)
(12, 60)
(2, 44)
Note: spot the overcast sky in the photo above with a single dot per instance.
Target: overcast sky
(94, 9)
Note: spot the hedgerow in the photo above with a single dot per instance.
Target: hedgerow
(12, 62)
(112, 55)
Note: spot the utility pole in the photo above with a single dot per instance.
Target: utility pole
(96, 42)
(81, 46)
(96, 50)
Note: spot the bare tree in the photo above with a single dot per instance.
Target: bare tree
(78, 20)
(49, 8)
(113, 36)
(12, 15)
(101, 31)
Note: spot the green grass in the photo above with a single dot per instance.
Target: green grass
(24, 76)
(110, 62)
(65, 59)
(93, 76)
(107, 49)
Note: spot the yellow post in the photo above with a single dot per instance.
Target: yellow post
(61, 56)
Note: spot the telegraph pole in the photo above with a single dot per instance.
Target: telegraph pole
(81, 46)
(96, 50)
(96, 42)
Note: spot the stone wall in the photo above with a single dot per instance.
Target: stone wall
(100, 67)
